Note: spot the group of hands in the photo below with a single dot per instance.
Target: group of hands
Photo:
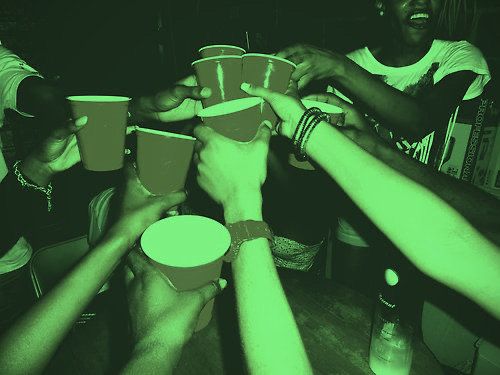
(159, 314)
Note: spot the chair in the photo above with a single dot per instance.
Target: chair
(51, 263)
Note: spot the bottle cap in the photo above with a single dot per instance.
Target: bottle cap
(391, 277)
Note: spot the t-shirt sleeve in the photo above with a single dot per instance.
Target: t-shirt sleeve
(463, 56)
(12, 71)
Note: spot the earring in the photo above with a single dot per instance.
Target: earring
(381, 13)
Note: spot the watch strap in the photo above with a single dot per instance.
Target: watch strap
(245, 231)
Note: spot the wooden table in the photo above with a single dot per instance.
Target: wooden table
(334, 322)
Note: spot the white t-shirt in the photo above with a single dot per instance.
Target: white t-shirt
(12, 71)
(442, 59)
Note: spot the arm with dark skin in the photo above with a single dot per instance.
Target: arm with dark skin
(43, 99)
(411, 117)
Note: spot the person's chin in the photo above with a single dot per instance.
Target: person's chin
(418, 37)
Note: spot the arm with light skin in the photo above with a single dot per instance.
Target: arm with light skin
(434, 236)
(480, 208)
(467, 262)
(269, 331)
(233, 173)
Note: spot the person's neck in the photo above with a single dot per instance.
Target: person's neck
(397, 54)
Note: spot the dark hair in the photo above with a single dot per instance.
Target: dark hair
(457, 19)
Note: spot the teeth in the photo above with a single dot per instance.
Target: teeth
(419, 15)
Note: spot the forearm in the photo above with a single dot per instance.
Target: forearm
(271, 338)
(396, 110)
(480, 208)
(416, 220)
(30, 343)
(152, 360)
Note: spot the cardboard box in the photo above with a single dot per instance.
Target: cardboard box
(484, 155)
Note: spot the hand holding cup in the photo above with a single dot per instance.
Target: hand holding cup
(229, 169)
(159, 314)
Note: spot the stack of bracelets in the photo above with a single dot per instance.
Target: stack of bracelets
(308, 122)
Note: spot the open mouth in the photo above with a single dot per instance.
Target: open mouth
(419, 19)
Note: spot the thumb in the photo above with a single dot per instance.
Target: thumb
(211, 290)
(264, 132)
(168, 201)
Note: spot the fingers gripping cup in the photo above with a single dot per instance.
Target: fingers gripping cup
(219, 50)
(270, 72)
(222, 74)
(336, 113)
(238, 119)
(188, 250)
(163, 160)
(102, 141)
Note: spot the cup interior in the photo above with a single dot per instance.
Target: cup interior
(185, 241)
(324, 107)
(98, 98)
(229, 107)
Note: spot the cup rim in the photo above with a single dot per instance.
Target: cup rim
(216, 57)
(221, 45)
(165, 134)
(183, 217)
(270, 57)
(246, 103)
(314, 103)
(98, 98)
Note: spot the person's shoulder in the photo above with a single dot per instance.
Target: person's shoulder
(361, 56)
(461, 49)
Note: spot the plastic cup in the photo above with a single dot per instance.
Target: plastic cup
(220, 50)
(270, 72)
(102, 141)
(335, 114)
(188, 249)
(222, 74)
(238, 119)
(163, 160)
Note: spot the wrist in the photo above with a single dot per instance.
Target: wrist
(338, 66)
(244, 206)
(37, 171)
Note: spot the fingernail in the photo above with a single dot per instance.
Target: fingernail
(268, 124)
(206, 92)
(245, 86)
(222, 283)
(81, 121)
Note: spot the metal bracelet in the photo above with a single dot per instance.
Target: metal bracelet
(25, 184)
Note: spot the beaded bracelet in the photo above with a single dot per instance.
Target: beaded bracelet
(305, 134)
(305, 117)
(47, 191)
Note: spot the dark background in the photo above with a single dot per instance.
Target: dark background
(136, 46)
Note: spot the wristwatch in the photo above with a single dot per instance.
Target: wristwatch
(244, 231)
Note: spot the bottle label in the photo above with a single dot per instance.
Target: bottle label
(381, 299)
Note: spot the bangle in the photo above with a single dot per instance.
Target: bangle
(25, 184)
(305, 134)
(305, 116)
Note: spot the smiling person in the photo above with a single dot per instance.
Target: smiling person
(409, 84)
